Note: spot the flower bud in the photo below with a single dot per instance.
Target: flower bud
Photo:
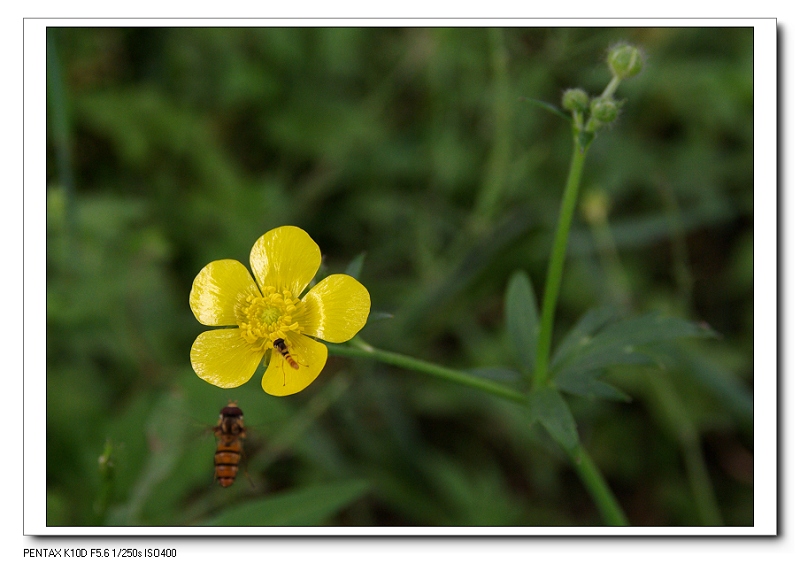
(575, 100)
(604, 110)
(624, 60)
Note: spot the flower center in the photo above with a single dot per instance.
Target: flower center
(263, 319)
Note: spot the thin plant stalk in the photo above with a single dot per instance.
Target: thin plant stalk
(624, 61)
(556, 267)
(598, 488)
(413, 364)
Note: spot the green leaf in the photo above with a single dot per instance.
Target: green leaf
(522, 320)
(589, 324)
(313, 505)
(608, 356)
(548, 107)
(587, 385)
(356, 264)
(625, 342)
(549, 408)
(652, 328)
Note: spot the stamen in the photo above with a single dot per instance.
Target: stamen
(263, 319)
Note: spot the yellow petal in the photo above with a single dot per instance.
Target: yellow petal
(216, 290)
(281, 379)
(286, 258)
(223, 358)
(335, 309)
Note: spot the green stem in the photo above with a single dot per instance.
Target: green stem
(611, 87)
(556, 267)
(413, 364)
(596, 485)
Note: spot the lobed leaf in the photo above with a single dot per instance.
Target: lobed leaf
(549, 408)
(622, 342)
(588, 325)
(652, 328)
(587, 385)
(522, 320)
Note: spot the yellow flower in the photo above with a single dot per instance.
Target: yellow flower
(269, 317)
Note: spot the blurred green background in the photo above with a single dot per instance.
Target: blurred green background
(172, 147)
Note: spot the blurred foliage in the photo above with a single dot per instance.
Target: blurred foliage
(169, 148)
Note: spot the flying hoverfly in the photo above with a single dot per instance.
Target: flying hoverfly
(229, 432)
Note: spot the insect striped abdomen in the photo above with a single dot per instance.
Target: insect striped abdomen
(229, 431)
